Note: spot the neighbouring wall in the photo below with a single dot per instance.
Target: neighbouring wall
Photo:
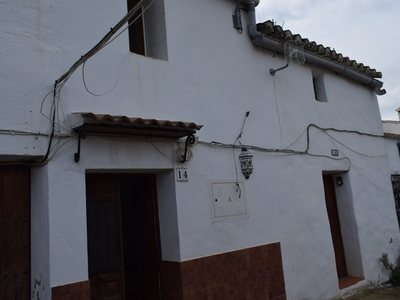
(40, 226)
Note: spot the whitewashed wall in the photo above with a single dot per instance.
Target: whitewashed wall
(393, 127)
(212, 77)
(393, 155)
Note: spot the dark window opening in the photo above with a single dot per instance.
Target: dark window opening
(396, 194)
(136, 30)
(319, 88)
(147, 32)
(398, 147)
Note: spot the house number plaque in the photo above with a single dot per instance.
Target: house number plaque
(181, 174)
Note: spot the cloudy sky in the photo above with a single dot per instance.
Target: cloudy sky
(364, 30)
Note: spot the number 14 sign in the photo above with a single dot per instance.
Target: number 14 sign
(181, 174)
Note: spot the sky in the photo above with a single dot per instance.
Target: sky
(364, 30)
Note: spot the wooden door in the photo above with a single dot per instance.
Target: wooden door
(104, 237)
(140, 237)
(333, 215)
(14, 233)
(123, 237)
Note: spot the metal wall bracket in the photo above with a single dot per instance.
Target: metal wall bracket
(190, 140)
(77, 155)
(273, 71)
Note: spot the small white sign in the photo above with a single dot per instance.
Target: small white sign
(334, 152)
(181, 174)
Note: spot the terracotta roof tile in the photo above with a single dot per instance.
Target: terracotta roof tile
(271, 30)
(111, 124)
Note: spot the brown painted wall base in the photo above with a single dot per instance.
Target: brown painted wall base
(73, 291)
(249, 274)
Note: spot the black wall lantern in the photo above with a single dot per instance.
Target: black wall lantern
(339, 181)
(246, 162)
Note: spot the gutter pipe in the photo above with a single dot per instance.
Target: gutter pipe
(261, 40)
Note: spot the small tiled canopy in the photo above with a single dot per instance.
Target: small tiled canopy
(104, 124)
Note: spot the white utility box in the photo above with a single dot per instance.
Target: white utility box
(229, 199)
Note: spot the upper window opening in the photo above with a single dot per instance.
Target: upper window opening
(319, 87)
(147, 32)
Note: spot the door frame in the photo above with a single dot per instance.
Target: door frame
(335, 224)
(346, 215)
(152, 179)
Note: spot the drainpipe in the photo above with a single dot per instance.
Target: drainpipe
(263, 41)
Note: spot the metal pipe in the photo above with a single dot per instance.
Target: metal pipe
(263, 41)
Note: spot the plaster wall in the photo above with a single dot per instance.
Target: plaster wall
(286, 205)
(391, 127)
(67, 210)
(40, 251)
(393, 155)
(213, 75)
(168, 216)
(391, 145)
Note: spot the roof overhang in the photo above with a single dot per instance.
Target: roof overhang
(393, 136)
(112, 125)
(8, 159)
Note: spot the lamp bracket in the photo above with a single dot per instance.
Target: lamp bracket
(190, 140)
(77, 155)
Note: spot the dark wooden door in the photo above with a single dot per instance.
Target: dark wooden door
(123, 237)
(140, 237)
(104, 237)
(14, 233)
(333, 215)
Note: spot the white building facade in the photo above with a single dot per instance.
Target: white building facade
(392, 134)
(95, 158)
(392, 138)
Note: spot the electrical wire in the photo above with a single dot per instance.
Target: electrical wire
(312, 125)
(106, 92)
(345, 131)
(53, 119)
(161, 152)
(287, 151)
(49, 118)
(237, 140)
(60, 147)
(21, 132)
(277, 109)
(59, 83)
(353, 150)
(133, 21)
(109, 42)
(271, 150)
(107, 39)
(297, 139)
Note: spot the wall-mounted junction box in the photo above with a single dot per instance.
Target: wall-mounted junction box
(229, 199)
